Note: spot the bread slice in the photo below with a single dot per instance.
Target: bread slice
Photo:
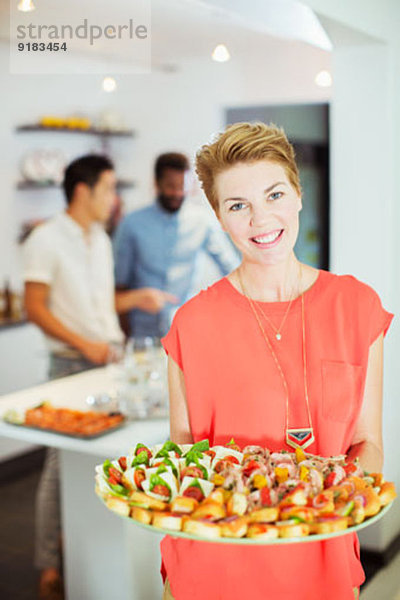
(235, 527)
(183, 505)
(287, 529)
(144, 501)
(237, 504)
(329, 524)
(264, 515)
(262, 531)
(167, 520)
(202, 528)
(209, 509)
(372, 503)
(306, 513)
(141, 514)
(387, 493)
(118, 505)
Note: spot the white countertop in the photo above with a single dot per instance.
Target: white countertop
(72, 392)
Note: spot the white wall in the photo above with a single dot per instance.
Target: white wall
(365, 151)
(177, 110)
(168, 110)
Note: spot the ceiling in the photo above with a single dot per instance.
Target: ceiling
(181, 30)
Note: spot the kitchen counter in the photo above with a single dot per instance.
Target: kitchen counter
(104, 556)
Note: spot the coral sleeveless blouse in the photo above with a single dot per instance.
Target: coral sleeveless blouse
(234, 389)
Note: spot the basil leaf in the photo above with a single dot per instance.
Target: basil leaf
(141, 459)
(118, 489)
(201, 446)
(106, 467)
(195, 483)
(169, 462)
(171, 447)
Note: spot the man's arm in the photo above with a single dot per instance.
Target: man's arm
(149, 300)
(36, 306)
(367, 442)
(219, 248)
(178, 412)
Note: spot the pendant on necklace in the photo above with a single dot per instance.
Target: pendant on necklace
(278, 336)
(300, 438)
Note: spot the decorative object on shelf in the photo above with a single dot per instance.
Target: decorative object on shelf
(43, 169)
(72, 122)
(43, 166)
(109, 123)
(111, 120)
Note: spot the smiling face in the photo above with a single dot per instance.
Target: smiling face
(259, 209)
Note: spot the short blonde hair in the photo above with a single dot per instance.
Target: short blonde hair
(246, 143)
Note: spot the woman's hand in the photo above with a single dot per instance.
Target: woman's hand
(367, 442)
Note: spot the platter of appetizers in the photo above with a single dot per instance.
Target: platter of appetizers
(247, 495)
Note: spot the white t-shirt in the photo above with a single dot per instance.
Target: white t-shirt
(78, 267)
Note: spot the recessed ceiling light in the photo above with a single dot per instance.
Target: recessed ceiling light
(26, 6)
(109, 84)
(220, 53)
(323, 79)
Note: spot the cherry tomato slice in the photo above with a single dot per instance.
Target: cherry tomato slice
(143, 449)
(161, 490)
(251, 466)
(193, 492)
(138, 477)
(122, 462)
(113, 472)
(330, 479)
(265, 496)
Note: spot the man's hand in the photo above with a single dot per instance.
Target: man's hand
(98, 353)
(36, 300)
(148, 299)
(153, 301)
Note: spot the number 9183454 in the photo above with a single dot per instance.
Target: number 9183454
(42, 47)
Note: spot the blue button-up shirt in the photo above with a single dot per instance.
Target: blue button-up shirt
(155, 248)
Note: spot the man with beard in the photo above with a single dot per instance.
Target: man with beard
(159, 246)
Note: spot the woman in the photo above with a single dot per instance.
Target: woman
(277, 354)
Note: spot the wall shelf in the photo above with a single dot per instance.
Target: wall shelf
(90, 131)
(122, 184)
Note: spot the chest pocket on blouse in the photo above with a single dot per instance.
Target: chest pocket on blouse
(341, 388)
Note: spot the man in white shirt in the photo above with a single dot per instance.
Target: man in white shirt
(68, 270)
(69, 294)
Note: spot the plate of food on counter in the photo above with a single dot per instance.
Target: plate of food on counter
(83, 424)
(247, 495)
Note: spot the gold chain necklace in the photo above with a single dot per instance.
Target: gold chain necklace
(278, 330)
(295, 437)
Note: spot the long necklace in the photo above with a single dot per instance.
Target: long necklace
(295, 437)
(278, 330)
